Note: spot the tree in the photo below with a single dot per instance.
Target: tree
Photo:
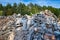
(14, 7)
(1, 13)
(8, 6)
(1, 7)
(22, 9)
(8, 9)
(26, 9)
(44, 8)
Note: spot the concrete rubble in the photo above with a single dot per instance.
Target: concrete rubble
(36, 27)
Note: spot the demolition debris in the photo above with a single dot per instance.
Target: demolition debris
(40, 26)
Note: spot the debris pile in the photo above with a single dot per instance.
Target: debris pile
(40, 26)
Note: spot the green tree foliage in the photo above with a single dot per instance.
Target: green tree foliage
(56, 11)
(22, 9)
(1, 13)
(1, 7)
(14, 8)
(8, 9)
(26, 9)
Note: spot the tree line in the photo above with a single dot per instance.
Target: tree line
(26, 9)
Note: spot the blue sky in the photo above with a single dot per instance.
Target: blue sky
(54, 3)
